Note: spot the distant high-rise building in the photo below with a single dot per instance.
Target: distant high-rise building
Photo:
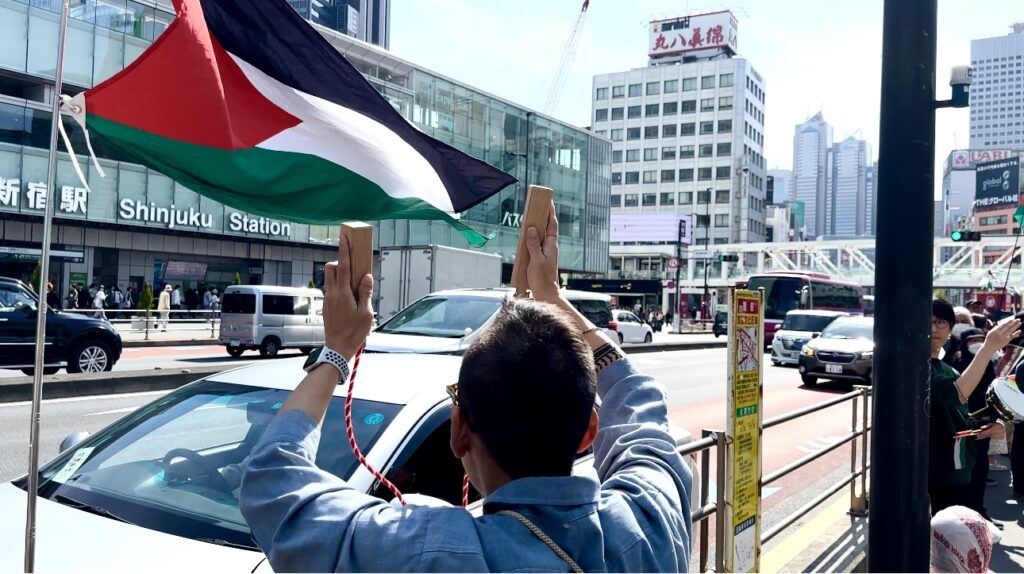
(811, 172)
(783, 185)
(871, 192)
(998, 74)
(848, 215)
(367, 20)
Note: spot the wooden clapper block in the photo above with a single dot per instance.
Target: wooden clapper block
(538, 209)
(360, 242)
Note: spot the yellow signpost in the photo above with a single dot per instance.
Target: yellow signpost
(743, 464)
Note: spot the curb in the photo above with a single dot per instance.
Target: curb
(638, 348)
(79, 385)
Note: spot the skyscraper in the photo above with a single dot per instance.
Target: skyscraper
(871, 192)
(849, 211)
(996, 92)
(783, 185)
(367, 20)
(811, 173)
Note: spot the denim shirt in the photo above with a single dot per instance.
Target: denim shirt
(634, 518)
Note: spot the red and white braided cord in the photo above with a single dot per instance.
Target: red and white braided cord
(465, 490)
(352, 434)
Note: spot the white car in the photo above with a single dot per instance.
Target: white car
(629, 327)
(798, 328)
(157, 490)
(447, 322)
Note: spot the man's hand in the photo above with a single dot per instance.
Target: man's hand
(1001, 335)
(542, 272)
(347, 317)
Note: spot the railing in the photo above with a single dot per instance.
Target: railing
(716, 439)
(194, 323)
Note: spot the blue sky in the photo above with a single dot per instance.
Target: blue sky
(813, 54)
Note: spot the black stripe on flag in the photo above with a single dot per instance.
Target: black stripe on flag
(271, 36)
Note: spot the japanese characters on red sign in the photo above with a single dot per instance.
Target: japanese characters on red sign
(678, 35)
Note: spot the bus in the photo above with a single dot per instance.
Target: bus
(788, 290)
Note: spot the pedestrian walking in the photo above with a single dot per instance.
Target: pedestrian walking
(99, 302)
(164, 307)
(191, 301)
(117, 301)
(176, 299)
(206, 298)
(84, 297)
(523, 407)
(52, 298)
(952, 459)
(71, 302)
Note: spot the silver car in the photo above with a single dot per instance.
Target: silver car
(797, 330)
(845, 351)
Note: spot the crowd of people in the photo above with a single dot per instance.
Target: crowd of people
(117, 303)
(967, 447)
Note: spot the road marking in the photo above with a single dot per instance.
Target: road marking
(111, 412)
(818, 444)
(790, 547)
(89, 398)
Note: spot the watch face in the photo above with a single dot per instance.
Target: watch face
(313, 356)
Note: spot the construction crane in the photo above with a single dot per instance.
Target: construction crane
(568, 55)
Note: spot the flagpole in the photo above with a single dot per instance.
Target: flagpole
(42, 310)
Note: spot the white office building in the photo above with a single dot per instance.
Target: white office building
(871, 193)
(812, 172)
(783, 189)
(850, 207)
(997, 94)
(687, 133)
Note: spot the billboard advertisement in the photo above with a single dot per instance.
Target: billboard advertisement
(691, 33)
(648, 227)
(997, 184)
(969, 158)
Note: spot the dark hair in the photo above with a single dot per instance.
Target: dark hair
(943, 310)
(980, 321)
(527, 389)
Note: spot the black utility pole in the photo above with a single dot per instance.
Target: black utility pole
(679, 266)
(898, 540)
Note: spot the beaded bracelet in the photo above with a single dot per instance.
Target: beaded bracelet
(605, 355)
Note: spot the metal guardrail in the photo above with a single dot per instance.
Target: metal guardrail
(131, 321)
(717, 440)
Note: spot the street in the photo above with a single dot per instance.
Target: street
(695, 380)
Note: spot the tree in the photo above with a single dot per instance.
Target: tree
(312, 284)
(34, 280)
(146, 298)
(237, 280)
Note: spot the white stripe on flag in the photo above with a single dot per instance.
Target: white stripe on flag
(347, 138)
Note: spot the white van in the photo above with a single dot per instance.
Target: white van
(271, 318)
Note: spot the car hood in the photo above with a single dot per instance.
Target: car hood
(70, 540)
(390, 343)
(795, 334)
(842, 345)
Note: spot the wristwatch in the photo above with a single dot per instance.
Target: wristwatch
(325, 354)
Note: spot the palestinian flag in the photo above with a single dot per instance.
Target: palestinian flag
(245, 103)
(960, 452)
(1018, 215)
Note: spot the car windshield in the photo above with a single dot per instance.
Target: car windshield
(16, 300)
(451, 316)
(782, 294)
(854, 329)
(175, 465)
(812, 323)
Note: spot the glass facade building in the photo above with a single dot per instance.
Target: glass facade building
(161, 220)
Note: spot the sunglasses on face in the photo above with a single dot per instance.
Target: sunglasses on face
(453, 393)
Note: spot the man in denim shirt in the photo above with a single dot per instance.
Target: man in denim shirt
(523, 408)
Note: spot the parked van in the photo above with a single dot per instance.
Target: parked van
(271, 318)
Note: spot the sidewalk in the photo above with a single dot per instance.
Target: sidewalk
(1008, 555)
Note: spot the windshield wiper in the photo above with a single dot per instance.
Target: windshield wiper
(220, 542)
(90, 508)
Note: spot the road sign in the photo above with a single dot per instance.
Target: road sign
(700, 254)
(673, 263)
(743, 465)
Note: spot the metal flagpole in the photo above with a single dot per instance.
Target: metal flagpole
(44, 275)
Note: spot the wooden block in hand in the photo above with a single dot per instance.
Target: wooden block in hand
(360, 242)
(536, 214)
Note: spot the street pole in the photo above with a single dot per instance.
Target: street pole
(704, 312)
(898, 540)
(42, 310)
(679, 265)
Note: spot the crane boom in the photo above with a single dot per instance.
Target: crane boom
(565, 62)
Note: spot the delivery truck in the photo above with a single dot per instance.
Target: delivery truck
(410, 273)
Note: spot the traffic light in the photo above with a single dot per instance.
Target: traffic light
(965, 235)
(729, 257)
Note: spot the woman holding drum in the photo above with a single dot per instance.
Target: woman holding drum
(952, 451)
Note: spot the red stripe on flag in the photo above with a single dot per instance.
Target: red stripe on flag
(187, 88)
